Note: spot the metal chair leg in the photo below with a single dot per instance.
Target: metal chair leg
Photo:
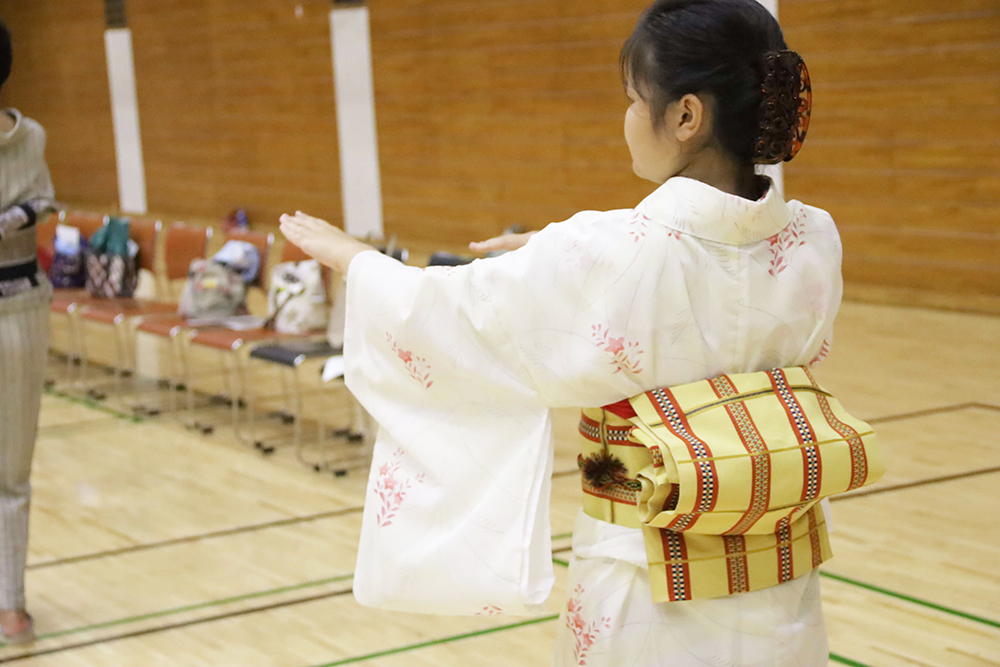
(121, 352)
(188, 388)
(246, 392)
(76, 334)
(287, 413)
(297, 426)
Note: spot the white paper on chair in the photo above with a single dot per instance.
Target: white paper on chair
(333, 368)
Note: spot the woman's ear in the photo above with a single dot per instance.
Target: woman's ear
(689, 117)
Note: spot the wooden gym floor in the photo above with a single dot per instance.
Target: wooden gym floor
(155, 545)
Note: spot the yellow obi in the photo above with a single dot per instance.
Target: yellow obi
(723, 476)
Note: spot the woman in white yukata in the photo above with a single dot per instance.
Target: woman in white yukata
(714, 273)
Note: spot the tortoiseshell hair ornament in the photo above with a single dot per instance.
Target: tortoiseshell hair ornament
(786, 109)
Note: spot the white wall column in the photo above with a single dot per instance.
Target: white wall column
(776, 171)
(125, 118)
(360, 182)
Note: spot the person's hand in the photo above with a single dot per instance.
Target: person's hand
(322, 241)
(504, 242)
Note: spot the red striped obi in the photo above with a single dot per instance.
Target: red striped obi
(724, 477)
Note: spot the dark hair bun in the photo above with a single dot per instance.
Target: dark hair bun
(785, 110)
(5, 53)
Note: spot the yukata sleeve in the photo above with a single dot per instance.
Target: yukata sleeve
(39, 185)
(456, 511)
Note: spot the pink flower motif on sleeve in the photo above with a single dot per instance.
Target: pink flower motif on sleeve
(824, 351)
(446, 271)
(417, 367)
(391, 486)
(490, 610)
(638, 226)
(585, 633)
(781, 243)
(624, 353)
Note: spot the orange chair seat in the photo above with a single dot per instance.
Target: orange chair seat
(64, 299)
(227, 339)
(110, 310)
(64, 304)
(165, 327)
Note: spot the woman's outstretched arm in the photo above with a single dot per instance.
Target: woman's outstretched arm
(319, 239)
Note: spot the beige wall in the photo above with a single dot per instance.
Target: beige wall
(494, 113)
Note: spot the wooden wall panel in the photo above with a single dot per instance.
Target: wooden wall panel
(495, 113)
(237, 107)
(904, 149)
(509, 111)
(60, 79)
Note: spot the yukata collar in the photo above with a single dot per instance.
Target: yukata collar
(696, 208)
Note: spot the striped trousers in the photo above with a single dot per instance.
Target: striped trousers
(24, 329)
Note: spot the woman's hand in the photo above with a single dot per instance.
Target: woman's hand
(322, 241)
(504, 242)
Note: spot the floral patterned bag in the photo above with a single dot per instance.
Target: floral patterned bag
(112, 261)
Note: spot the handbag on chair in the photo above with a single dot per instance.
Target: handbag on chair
(296, 300)
(112, 261)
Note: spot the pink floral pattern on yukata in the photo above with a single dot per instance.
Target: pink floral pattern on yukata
(625, 353)
(584, 633)
(490, 610)
(446, 271)
(417, 367)
(391, 486)
(824, 351)
(638, 226)
(782, 243)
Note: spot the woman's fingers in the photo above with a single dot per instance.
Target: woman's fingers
(311, 221)
(491, 245)
(505, 242)
(303, 219)
(482, 247)
(292, 228)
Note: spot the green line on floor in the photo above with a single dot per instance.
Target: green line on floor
(883, 591)
(558, 561)
(846, 661)
(192, 607)
(443, 640)
(908, 598)
(92, 404)
(561, 536)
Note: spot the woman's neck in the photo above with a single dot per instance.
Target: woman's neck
(720, 171)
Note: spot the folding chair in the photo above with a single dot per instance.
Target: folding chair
(230, 346)
(65, 301)
(290, 357)
(145, 233)
(176, 329)
(183, 245)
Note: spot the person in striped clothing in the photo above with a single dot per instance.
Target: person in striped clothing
(25, 190)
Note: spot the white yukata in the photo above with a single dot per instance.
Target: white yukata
(460, 366)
